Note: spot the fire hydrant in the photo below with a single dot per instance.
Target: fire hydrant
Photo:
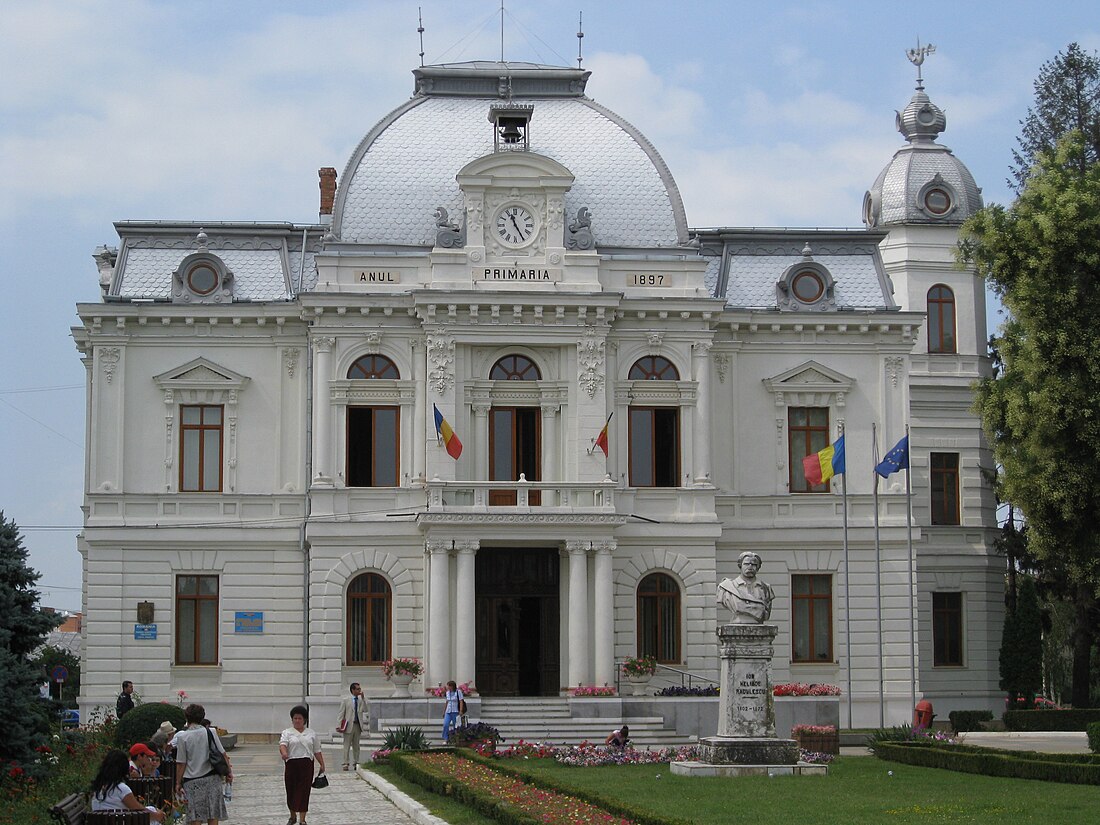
(922, 714)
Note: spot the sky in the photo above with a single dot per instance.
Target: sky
(768, 114)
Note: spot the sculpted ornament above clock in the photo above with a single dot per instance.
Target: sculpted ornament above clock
(515, 225)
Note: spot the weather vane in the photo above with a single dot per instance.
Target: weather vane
(916, 57)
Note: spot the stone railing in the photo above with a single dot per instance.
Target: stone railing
(522, 495)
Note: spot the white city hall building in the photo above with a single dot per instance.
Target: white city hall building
(269, 513)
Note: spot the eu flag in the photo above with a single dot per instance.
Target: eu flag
(896, 459)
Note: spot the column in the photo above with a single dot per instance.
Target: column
(479, 440)
(604, 620)
(550, 461)
(420, 413)
(439, 611)
(701, 436)
(465, 661)
(322, 410)
(578, 612)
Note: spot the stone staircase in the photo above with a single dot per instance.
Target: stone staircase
(539, 719)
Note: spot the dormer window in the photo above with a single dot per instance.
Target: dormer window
(807, 285)
(202, 278)
(936, 198)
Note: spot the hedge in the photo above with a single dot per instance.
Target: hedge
(410, 767)
(965, 720)
(1077, 769)
(1040, 720)
(1094, 736)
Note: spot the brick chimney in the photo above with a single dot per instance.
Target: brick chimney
(328, 193)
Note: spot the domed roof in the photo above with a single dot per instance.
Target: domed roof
(405, 167)
(924, 182)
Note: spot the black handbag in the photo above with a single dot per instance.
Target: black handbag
(321, 781)
(218, 763)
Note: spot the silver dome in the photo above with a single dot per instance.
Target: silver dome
(405, 167)
(924, 182)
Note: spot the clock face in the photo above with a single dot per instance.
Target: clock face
(515, 225)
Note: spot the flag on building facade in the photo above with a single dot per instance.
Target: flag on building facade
(447, 435)
(601, 439)
(819, 467)
(896, 459)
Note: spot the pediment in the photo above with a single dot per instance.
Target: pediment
(201, 373)
(809, 384)
(522, 169)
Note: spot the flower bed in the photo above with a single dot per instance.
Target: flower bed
(676, 690)
(817, 739)
(802, 689)
(439, 691)
(593, 690)
(402, 667)
(503, 794)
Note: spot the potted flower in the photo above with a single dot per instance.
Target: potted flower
(478, 735)
(817, 738)
(401, 671)
(638, 671)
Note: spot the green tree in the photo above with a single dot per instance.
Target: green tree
(1022, 647)
(1041, 256)
(1067, 97)
(47, 659)
(23, 627)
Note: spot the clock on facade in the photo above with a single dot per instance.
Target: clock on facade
(516, 225)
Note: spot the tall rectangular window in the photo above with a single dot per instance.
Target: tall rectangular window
(944, 479)
(200, 448)
(807, 432)
(947, 629)
(654, 446)
(196, 620)
(373, 452)
(812, 617)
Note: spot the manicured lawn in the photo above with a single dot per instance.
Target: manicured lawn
(857, 790)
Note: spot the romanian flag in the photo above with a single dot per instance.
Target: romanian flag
(601, 439)
(447, 435)
(820, 467)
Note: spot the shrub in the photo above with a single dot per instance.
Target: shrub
(964, 720)
(1049, 767)
(477, 732)
(1038, 720)
(675, 690)
(142, 722)
(1093, 730)
(405, 738)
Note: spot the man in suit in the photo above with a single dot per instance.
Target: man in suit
(125, 702)
(354, 719)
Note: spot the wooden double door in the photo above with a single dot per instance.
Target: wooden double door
(517, 620)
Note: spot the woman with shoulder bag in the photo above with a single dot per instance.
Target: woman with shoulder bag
(298, 747)
(197, 782)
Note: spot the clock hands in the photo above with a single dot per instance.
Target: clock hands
(516, 225)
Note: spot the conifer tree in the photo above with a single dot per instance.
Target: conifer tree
(1022, 647)
(23, 628)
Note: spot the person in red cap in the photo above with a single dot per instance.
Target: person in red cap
(144, 760)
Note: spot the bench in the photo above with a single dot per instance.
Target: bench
(74, 810)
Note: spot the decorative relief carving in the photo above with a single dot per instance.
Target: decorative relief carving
(576, 548)
(434, 546)
(604, 545)
(448, 234)
(373, 339)
(324, 343)
(441, 355)
(467, 545)
(580, 235)
(290, 358)
(475, 209)
(108, 358)
(894, 363)
(655, 338)
(721, 364)
(555, 209)
(590, 358)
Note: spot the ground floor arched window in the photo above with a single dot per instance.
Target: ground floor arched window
(659, 618)
(369, 608)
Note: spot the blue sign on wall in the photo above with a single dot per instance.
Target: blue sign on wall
(145, 631)
(248, 621)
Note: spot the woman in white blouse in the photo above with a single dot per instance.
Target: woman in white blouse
(299, 746)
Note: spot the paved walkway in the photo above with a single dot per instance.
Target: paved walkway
(259, 797)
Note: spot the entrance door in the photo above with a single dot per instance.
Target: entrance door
(516, 619)
(514, 437)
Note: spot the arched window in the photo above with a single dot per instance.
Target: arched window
(654, 431)
(653, 368)
(659, 618)
(514, 368)
(368, 620)
(941, 319)
(373, 366)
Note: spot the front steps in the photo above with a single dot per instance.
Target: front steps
(536, 719)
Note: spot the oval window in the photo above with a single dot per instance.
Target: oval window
(202, 279)
(937, 201)
(807, 287)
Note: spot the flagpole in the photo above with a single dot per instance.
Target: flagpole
(847, 589)
(878, 583)
(912, 594)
